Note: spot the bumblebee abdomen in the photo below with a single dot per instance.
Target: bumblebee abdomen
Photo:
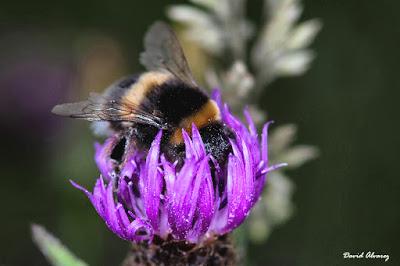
(176, 100)
(207, 114)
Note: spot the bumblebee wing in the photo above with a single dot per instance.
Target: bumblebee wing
(163, 52)
(101, 108)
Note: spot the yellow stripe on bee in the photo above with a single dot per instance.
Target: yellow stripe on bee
(208, 113)
(147, 81)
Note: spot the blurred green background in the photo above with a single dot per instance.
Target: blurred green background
(347, 105)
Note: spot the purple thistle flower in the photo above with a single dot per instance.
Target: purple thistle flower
(151, 196)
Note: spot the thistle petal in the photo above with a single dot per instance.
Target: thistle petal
(152, 182)
(102, 157)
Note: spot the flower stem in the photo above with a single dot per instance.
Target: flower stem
(218, 251)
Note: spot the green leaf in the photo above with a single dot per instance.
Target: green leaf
(55, 252)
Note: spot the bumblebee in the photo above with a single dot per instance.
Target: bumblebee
(165, 98)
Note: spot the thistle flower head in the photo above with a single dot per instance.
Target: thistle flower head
(150, 196)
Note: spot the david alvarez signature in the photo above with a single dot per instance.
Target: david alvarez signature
(366, 255)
